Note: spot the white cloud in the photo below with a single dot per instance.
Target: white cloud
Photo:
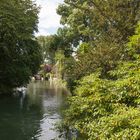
(48, 18)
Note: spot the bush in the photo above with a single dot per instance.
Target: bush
(107, 109)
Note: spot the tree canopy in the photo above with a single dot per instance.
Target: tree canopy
(19, 51)
(90, 20)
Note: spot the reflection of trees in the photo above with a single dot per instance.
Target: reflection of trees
(19, 123)
(20, 116)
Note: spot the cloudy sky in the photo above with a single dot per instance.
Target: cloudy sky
(48, 19)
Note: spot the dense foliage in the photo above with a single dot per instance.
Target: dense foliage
(20, 54)
(109, 108)
(89, 20)
(104, 70)
(103, 28)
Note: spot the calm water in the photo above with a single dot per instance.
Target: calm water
(32, 116)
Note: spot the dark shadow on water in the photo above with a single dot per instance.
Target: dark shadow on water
(31, 116)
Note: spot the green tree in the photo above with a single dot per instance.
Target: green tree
(109, 108)
(48, 47)
(90, 20)
(52, 43)
(104, 26)
(20, 55)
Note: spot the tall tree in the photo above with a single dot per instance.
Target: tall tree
(104, 26)
(19, 51)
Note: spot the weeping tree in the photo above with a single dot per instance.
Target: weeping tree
(20, 54)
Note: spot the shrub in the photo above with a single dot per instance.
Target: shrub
(107, 109)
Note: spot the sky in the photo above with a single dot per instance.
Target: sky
(48, 18)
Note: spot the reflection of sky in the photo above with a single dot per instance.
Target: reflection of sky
(52, 99)
(48, 18)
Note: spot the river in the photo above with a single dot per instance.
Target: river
(32, 116)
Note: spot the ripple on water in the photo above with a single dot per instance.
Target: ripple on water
(35, 118)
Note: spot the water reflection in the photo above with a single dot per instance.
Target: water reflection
(31, 116)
